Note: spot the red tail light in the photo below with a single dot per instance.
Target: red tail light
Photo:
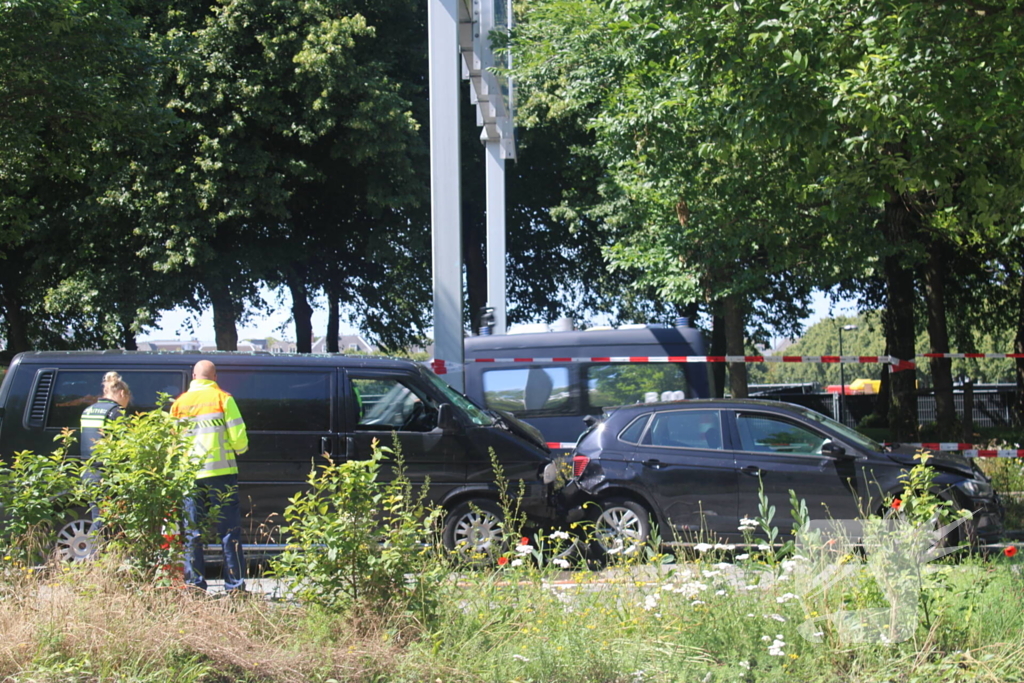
(579, 463)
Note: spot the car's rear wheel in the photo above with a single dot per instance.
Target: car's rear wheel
(621, 527)
(473, 530)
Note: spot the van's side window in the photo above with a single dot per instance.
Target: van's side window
(389, 404)
(619, 384)
(280, 401)
(75, 389)
(532, 391)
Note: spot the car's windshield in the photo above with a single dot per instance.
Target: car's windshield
(847, 433)
(475, 412)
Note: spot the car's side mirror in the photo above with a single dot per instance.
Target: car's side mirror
(446, 419)
(831, 448)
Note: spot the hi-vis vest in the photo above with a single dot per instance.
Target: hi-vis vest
(94, 419)
(217, 430)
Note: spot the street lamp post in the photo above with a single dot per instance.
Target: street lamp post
(842, 379)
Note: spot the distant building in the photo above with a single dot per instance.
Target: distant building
(347, 343)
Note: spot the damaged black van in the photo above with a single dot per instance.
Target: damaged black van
(296, 408)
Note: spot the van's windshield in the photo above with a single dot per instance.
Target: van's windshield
(475, 412)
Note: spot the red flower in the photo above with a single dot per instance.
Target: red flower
(1010, 550)
(897, 504)
(524, 541)
(502, 561)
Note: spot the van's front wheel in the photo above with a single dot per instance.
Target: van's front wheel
(473, 530)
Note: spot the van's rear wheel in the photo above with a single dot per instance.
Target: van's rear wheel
(473, 530)
(77, 541)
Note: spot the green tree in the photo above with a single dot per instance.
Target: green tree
(77, 107)
(803, 142)
(299, 141)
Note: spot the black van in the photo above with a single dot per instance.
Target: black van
(295, 409)
(554, 379)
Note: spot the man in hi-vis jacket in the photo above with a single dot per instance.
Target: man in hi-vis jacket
(218, 435)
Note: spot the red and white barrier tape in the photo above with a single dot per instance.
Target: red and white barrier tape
(442, 367)
(973, 355)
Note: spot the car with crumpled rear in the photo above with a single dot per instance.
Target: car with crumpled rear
(694, 468)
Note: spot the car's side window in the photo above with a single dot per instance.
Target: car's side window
(391, 404)
(685, 429)
(280, 400)
(766, 434)
(631, 434)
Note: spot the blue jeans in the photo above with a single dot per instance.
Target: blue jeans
(214, 494)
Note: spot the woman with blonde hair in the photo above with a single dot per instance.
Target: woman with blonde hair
(116, 396)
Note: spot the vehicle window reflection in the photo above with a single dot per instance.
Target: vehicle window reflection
(763, 434)
(685, 429)
(386, 404)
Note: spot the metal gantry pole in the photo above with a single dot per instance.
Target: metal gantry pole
(496, 234)
(445, 200)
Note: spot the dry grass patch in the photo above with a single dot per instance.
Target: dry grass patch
(110, 627)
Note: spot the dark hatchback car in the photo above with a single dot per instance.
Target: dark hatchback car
(695, 468)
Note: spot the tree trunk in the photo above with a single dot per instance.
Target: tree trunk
(938, 342)
(333, 322)
(1018, 347)
(128, 337)
(899, 226)
(225, 314)
(735, 334)
(17, 325)
(718, 349)
(302, 313)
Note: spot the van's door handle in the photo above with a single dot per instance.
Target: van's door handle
(752, 470)
(653, 464)
(325, 445)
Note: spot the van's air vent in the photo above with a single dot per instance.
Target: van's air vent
(41, 398)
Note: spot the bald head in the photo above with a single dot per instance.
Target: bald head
(204, 369)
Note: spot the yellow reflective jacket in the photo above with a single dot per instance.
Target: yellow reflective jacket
(216, 427)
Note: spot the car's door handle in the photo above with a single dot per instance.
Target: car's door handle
(653, 464)
(752, 470)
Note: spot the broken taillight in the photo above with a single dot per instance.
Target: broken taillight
(579, 463)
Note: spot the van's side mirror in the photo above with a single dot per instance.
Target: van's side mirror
(829, 447)
(446, 419)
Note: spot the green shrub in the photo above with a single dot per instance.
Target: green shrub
(147, 474)
(356, 542)
(36, 492)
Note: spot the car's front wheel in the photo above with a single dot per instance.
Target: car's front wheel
(621, 527)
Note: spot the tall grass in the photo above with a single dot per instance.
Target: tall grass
(706, 620)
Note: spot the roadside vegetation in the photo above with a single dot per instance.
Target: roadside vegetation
(385, 602)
